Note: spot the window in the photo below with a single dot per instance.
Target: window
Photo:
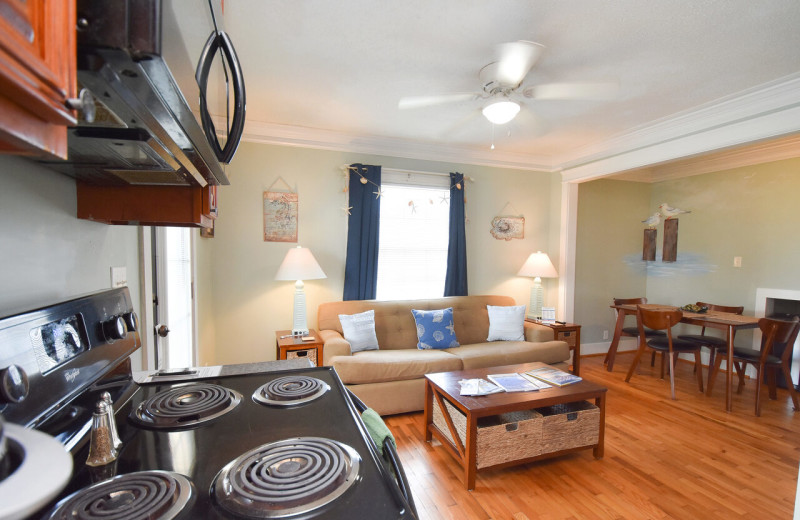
(414, 234)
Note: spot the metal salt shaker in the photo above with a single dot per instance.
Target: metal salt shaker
(106, 397)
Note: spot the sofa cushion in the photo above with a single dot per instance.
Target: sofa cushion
(359, 330)
(506, 323)
(435, 329)
(481, 355)
(375, 366)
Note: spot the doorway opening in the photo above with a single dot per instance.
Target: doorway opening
(173, 298)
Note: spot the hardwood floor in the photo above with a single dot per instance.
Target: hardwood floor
(682, 459)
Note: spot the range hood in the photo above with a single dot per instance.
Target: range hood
(144, 132)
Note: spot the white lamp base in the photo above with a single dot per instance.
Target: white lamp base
(299, 326)
(537, 300)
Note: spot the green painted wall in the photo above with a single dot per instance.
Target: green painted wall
(241, 303)
(749, 212)
(609, 229)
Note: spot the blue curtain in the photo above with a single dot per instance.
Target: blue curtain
(455, 283)
(361, 265)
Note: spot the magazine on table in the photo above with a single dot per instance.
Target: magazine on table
(538, 382)
(512, 383)
(554, 376)
(477, 387)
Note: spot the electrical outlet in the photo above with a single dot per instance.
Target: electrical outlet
(605, 334)
(119, 277)
(737, 261)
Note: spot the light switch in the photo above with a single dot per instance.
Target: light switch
(119, 277)
(737, 261)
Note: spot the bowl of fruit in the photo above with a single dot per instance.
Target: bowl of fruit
(692, 307)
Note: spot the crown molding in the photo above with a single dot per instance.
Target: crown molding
(286, 135)
(766, 112)
(758, 153)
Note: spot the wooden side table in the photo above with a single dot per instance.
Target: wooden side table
(290, 347)
(571, 333)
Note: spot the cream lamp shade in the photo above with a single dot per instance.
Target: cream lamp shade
(299, 264)
(537, 266)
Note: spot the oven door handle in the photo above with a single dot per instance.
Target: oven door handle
(390, 455)
(216, 41)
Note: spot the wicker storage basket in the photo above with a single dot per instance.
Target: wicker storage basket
(309, 353)
(569, 425)
(501, 438)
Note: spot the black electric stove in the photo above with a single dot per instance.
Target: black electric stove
(274, 444)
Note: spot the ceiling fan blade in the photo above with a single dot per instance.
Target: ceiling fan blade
(437, 99)
(515, 61)
(593, 91)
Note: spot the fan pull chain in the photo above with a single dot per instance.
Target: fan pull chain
(492, 147)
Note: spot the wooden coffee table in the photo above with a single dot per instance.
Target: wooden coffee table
(460, 418)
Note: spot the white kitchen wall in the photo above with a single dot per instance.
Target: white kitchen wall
(241, 304)
(47, 254)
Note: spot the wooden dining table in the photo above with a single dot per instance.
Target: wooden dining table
(725, 321)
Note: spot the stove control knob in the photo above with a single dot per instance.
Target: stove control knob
(131, 320)
(115, 328)
(13, 384)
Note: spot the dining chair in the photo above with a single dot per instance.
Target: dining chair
(713, 343)
(663, 320)
(634, 331)
(766, 361)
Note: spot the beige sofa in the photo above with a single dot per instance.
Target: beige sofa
(391, 379)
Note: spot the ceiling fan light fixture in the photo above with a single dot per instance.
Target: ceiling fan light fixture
(501, 112)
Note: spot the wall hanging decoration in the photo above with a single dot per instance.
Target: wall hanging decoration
(669, 251)
(280, 214)
(509, 226)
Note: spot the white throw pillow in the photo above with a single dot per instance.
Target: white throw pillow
(359, 330)
(506, 323)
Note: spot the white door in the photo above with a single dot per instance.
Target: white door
(173, 299)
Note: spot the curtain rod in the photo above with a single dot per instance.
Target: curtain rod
(345, 167)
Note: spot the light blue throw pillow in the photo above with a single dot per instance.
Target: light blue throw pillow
(506, 323)
(359, 330)
(435, 329)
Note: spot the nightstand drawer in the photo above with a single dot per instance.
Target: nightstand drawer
(569, 337)
(310, 353)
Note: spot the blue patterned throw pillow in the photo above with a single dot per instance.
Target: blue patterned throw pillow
(435, 329)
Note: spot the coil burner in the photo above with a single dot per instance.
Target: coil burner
(185, 406)
(290, 391)
(285, 478)
(155, 495)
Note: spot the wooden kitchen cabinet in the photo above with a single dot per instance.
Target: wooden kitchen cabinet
(37, 76)
(189, 206)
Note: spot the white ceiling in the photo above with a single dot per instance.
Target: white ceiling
(330, 73)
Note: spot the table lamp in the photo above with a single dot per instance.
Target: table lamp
(538, 266)
(299, 264)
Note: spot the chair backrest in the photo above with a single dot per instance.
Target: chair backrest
(627, 301)
(722, 308)
(657, 319)
(778, 332)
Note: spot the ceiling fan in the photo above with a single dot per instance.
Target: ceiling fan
(502, 89)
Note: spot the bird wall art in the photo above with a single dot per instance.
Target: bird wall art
(669, 252)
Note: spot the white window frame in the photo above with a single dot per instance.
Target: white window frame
(437, 182)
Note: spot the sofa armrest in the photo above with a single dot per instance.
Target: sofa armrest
(333, 345)
(537, 333)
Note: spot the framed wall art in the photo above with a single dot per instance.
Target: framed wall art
(280, 216)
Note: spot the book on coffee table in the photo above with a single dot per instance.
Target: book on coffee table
(512, 383)
(554, 376)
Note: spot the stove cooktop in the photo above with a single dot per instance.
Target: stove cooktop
(246, 448)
